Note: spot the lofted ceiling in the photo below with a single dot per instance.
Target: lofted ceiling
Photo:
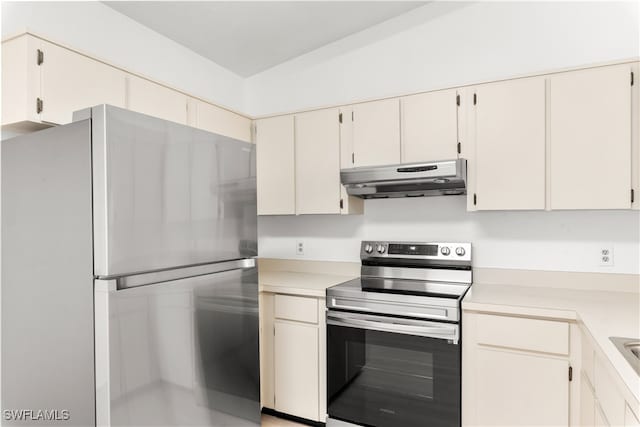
(248, 37)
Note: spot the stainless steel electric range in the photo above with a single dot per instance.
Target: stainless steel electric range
(393, 336)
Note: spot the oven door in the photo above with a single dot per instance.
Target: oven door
(387, 371)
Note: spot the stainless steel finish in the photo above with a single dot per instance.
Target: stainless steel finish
(630, 349)
(181, 273)
(350, 296)
(440, 258)
(460, 251)
(423, 274)
(167, 195)
(47, 275)
(438, 330)
(408, 180)
(179, 353)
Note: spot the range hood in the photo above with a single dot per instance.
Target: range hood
(442, 178)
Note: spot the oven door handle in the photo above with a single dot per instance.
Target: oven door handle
(435, 330)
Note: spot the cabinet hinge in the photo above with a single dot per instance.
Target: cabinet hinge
(40, 57)
(633, 194)
(570, 373)
(255, 129)
(459, 148)
(340, 117)
(475, 99)
(475, 199)
(632, 78)
(458, 100)
(353, 158)
(352, 116)
(39, 105)
(341, 204)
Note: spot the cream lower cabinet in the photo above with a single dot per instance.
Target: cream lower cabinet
(515, 371)
(604, 399)
(293, 355)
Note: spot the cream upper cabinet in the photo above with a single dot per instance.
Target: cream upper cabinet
(218, 120)
(429, 126)
(20, 80)
(147, 97)
(376, 133)
(275, 165)
(509, 145)
(45, 83)
(71, 82)
(317, 162)
(590, 138)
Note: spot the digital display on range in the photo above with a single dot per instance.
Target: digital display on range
(407, 249)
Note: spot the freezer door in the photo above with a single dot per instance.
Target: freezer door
(179, 353)
(167, 195)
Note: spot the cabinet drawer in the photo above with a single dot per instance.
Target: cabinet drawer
(301, 309)
(526, 334)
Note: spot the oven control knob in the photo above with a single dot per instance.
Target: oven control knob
(445, 250)
(381, 249)
(460, 251)
(368, 248)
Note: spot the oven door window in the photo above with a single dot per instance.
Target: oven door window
(388, 379)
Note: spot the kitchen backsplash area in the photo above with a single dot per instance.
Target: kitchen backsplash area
(532, 240)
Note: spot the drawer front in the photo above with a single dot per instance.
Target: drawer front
(524, 334)
(300, 309)
(610, 399)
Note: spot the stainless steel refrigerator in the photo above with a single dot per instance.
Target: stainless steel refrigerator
(129, 280)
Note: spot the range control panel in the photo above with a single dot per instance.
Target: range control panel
(416, 250)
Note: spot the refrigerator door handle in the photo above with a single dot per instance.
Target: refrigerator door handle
(150, 278)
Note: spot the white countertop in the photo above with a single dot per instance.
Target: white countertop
(602, 314)
(298, 283)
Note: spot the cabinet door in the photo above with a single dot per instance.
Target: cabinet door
(630, 419)
(516, 389)
(510, 145)
(587, 404)
(71, 82)
(218, 120)
(590, 139)
(376, 133)
(317, 142)
(275, 167)
(429, 127)
(296, 369)
(150, 98)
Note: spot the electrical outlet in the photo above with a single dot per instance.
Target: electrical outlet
(606, 256)
(300, 248)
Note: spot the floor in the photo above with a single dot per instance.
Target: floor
(269, 421)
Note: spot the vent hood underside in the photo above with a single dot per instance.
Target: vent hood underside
(443, 178)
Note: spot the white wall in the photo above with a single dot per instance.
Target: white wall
(96, 29)
(449, 44)
(559, 241)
